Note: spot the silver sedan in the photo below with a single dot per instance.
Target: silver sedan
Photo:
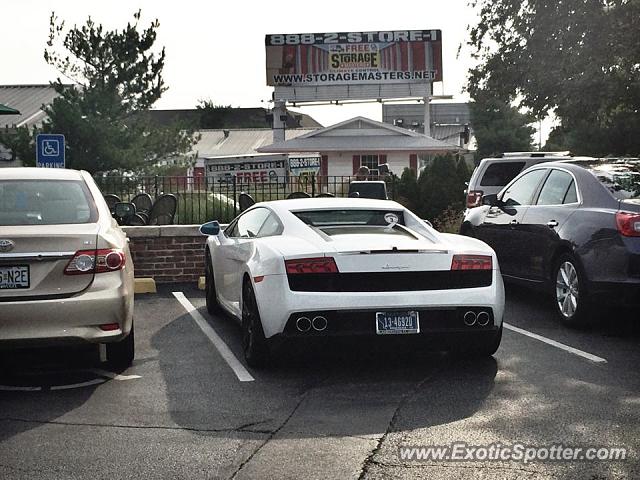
(66, 274)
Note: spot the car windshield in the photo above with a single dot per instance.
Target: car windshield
(353, 217)
(45, 202)
(369, 189)
(621, 177)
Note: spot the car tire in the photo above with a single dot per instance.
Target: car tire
(569, 293)
(480, 347)
(254, 343)
(120, 354)
(213, 307)
(487, 347)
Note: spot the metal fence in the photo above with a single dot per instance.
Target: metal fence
(201, 199)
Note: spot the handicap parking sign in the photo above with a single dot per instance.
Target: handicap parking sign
(50, 151)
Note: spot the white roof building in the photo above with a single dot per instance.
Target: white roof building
(349, 145)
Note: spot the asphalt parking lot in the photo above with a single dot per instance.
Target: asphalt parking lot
(187, 408)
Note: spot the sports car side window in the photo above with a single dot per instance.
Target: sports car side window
(250, 223)
(232, 230)
(270, 227)
(521, 191)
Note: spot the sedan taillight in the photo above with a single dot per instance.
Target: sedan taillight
(474, 198)
(311, 265)
(628, 224)
(95, 261)
(471, 262)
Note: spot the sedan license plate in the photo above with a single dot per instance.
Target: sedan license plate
(14, 277)
(390, 323)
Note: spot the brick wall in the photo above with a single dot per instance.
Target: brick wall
(171, 253)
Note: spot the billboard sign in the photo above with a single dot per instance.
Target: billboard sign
(50, 151)
(304, 165)
(354, 58)
(247, 170)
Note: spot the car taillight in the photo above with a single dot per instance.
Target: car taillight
(95, 261)
(474, 198)
(471, 262)
(628, 224)
(311, 265)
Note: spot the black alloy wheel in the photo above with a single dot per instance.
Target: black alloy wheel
(213, 307)
(254, 343)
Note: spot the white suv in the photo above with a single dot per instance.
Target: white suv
(492, 174)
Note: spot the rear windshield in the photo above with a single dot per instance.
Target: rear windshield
(620, 177)
(324, 218)
(369, 190)
(45, 202)
(498, 174)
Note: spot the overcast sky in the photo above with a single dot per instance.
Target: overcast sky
(215, 49)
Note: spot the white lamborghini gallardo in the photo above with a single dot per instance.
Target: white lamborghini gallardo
(347, 266)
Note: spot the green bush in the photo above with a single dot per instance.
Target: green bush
(440, 187)
(200, 207)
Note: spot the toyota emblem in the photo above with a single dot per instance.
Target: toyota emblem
(6, 245)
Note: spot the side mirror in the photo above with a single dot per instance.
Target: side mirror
(490, 199)
(123, 212)
(210, 228)
(124, 209)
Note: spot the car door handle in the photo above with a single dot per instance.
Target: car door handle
(514, 222)
(552, 223)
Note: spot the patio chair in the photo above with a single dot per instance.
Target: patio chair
(298, 195)
(111, 201)
(137, 220)
(144, 216)
(163, 210)
(143, 202)
(245, 200)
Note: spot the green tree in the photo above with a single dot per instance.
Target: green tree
(499, 127)
(21, 144)
(407, 189)
(439, 187)
(212, 115)
(117, 77)
(577, 58)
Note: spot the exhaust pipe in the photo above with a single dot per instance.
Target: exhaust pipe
(469, 318)
(303, 324)
(319, 324)
(483, 319)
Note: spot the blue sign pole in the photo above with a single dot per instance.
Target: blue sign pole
(50, 151)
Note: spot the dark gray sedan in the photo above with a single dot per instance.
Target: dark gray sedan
(571, 228)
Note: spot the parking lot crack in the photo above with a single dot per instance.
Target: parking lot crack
(242, 428)
(273, 433)
(392, 422)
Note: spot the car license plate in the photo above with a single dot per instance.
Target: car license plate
(390, 323)
(14, 277)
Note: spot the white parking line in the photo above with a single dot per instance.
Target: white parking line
(241, 372)
(112, 375)
(562, 346)
(95, 381)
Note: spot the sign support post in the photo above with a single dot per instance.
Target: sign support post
(279, 120)
(427, 111)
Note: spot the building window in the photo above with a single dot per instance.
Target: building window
(371, 162)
